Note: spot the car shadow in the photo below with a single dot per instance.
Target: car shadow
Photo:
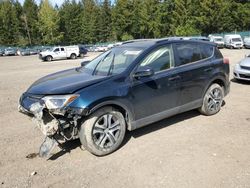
(161, 124)
(71, 145)
(243, 82)
(67, 148)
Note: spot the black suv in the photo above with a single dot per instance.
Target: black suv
(125, 88)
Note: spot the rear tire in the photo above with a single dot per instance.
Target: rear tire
(73, 56)
(212, 100)
(103, 132)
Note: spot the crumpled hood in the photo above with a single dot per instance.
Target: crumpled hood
(245, 62)
(64, 82)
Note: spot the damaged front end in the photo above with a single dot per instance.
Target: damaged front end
(52, 114)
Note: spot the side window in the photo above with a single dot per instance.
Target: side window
(160, 59)
(188, 53)
(217, 53)
(56, 50)
(62, 49)
(192, 52)
(206, 51)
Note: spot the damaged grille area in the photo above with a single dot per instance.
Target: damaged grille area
(63, 126)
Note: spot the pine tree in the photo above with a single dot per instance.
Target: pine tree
(49, 24)
(9, 30)
(69, 21)
(88, 22)
(30, 19)
(121, 19)
(104, 22)
(183, 22)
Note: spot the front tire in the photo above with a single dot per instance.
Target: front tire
(212, 100)
(49, 58)
(103, 132)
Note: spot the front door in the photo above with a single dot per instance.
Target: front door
(158, 95)
(56, 54)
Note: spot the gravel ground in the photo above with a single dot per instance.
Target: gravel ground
(187, 150)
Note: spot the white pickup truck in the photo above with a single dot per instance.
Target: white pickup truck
(60, 52)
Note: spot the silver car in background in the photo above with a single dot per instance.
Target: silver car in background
(247, 42)
(242, 69)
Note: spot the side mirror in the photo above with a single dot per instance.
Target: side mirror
(143, 72)
(84, 63)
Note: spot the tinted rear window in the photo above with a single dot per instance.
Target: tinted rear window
(192, 52)
(217, 53)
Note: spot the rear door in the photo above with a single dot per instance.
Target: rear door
(194, 65)
(158, 95)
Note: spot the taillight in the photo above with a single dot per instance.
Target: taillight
(226, 61)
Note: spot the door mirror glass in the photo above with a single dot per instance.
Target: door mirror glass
(143, 72)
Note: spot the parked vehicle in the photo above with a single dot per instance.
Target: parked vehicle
(60, 52)
(233, 41)
(199, 38)
(101, 49)
(110, 46)
(33, 51)
(24, 52)
(242, 69)
(126, 88)
(1, 52)
(82, 51)
(217, 40)
(247, 42)
(9, 51)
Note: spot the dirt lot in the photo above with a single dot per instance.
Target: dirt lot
(187, 150)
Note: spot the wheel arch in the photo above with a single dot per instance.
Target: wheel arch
(217, 80)
(49, 56)
(124, 109)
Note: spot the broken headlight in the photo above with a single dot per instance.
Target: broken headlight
(54, 102)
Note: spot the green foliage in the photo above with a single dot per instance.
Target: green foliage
(30, 18)
(91, 21)
(126, 36)
(69, 22)
(104, 22)
(49, 24)
(9, 30)
(88, 21)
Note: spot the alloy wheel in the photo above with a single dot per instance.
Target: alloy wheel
(215, 99)
(106, 131)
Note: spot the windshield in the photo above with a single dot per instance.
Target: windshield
(114, 61)
(236, 39)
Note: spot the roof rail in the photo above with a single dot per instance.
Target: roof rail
(172, 38)
(137, 40)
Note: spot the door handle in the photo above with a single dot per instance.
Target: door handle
(208, 69)
(174, 78)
